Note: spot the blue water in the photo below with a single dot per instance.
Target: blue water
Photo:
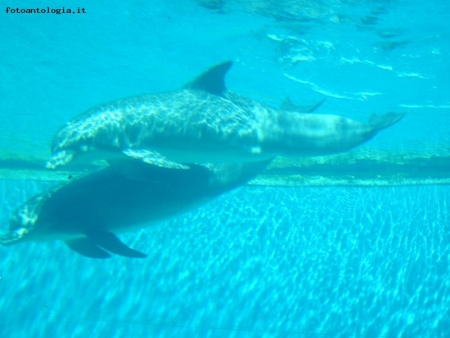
(366, 262)
(257, 262)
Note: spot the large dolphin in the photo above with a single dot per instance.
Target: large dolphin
(205, 123)
(87, 213)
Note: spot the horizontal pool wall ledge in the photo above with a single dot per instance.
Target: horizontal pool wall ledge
(355, 168)
(358, 168)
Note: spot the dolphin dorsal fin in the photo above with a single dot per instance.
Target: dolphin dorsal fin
(213, 80)
(288, 104)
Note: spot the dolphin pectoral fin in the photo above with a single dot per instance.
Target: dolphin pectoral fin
(153, 158)
(382, 122)
(213, 80)
(86, 247)
(109, 241)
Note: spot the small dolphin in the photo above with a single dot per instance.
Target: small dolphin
(205, 123)
(87, 213)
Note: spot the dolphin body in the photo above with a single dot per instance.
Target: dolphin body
(88, 212)
(203, 122)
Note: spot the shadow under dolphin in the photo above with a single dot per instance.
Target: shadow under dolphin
(88, 212)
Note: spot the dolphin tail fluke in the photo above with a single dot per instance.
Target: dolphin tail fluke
(109, 241)
(378, 123)
(86, 247)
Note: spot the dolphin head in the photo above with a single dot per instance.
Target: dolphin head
(20, 226)
(24, 223)
(23, 228)
(13, 237)
(73, 138)
(60, 158)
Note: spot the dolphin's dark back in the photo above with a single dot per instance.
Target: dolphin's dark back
(108, 200)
